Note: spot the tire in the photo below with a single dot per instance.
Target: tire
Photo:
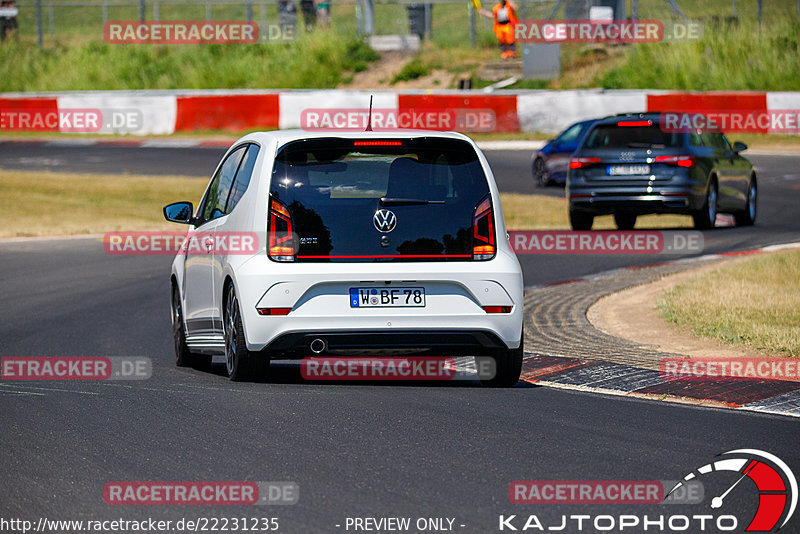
(747, 217)
(241, 364)
(579, 220)
(183, 356)
(705, 218)
(539, 173)
(625, 221)
(503, 369)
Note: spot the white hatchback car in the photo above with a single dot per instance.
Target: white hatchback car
(367, 244)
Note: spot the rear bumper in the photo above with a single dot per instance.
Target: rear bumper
(386, 342)
(641, 200)
(453, 320)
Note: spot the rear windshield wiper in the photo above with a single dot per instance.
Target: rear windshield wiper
(385, 201)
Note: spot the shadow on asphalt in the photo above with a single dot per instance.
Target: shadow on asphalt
(287, 372)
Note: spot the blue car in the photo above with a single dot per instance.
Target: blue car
(551, 163)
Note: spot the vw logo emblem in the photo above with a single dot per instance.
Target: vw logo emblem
(384, 221)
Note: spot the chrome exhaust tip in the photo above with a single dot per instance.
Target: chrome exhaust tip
(318, 346)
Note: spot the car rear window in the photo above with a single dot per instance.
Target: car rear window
(613, 136)
(334, 189)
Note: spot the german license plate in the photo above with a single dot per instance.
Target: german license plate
(627, 170)
(387, 297)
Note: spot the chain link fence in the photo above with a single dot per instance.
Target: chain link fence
(445, 22)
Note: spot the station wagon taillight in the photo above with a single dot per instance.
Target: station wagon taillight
(676, 161)
(483, 243)
(578, 163)
(280, 232)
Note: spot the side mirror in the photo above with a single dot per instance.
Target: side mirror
(738, 146)
(179, 212)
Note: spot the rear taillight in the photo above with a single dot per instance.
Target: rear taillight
(280, 232)
(677, 161)
(483, 243)
(577, 163)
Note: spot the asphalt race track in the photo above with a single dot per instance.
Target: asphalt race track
(355, 450)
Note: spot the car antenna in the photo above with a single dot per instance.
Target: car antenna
(369, 118)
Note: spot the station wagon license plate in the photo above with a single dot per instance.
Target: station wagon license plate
(627, 170)
(387, 297)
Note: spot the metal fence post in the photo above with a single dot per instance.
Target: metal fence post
(359, 21)
(208, 12)
(52, 20)
(472, 38)
(141, 10)
(155, 10)
(249, 10)
(105, 13)
(39, 21)
(369, 17)
(428, 21)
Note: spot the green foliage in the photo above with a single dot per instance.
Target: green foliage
(729, 57)
(411, 71)
(317, 60)
(358, 56)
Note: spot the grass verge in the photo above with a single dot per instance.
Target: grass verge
(48, 203)
(540, 212)
(754, 302)
(318, 60)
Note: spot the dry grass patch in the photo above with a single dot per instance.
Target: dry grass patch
(47, 203)
(754, 302)
(540, 212)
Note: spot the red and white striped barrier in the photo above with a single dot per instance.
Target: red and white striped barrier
(167, 112)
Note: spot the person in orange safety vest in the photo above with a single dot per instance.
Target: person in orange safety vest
(504, 14)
